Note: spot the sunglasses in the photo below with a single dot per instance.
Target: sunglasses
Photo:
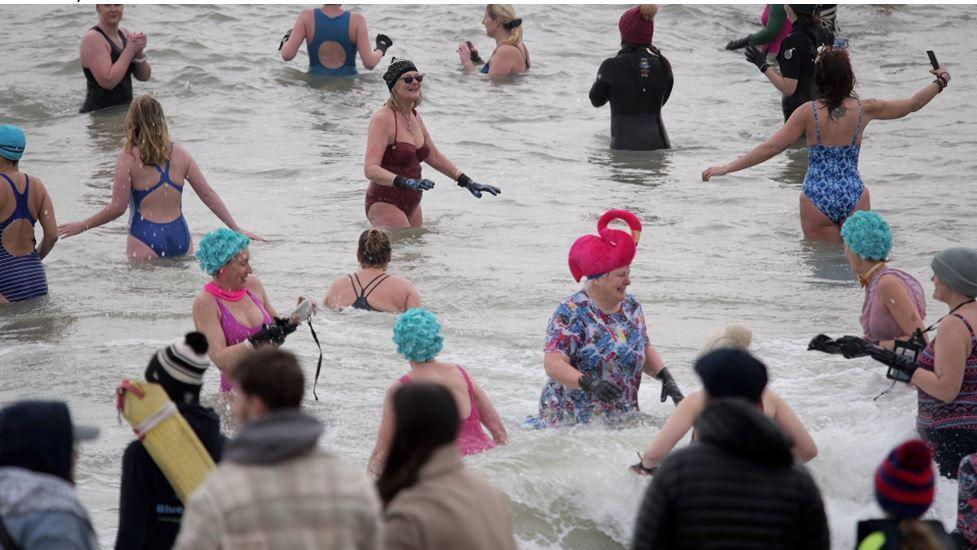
(410, 79)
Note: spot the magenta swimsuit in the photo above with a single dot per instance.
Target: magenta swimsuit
(235, 332)
(471, 438)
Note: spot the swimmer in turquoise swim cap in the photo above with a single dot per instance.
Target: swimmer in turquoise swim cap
(22, 276)
(417, 336)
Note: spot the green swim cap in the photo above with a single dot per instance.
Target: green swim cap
(219, 247)
(867, 234)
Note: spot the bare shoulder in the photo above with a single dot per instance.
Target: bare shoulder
(204, 302)
(254, 283)
(356, 18)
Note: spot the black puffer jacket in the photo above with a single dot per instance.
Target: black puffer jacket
(735, 487)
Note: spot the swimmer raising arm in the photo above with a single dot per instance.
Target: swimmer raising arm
(788, 134)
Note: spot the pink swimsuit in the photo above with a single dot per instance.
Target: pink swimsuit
(235, 332)
(877, 323)
(471, 438)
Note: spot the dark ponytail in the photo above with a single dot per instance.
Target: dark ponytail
(374, 248)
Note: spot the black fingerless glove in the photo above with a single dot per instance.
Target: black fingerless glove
(604, 390)
(284, 39)
(384, 42)
(669, 387)
(757, 57)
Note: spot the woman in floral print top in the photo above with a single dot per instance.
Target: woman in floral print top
(597, 341)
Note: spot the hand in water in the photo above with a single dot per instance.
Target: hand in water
(384, 42)
(284, 39)
(250, 235)
(71, 229)
(477, 188)
(603, 390)
(413, 184)
(737, 44)
(757, 57)
(714, 171)
(640, 469)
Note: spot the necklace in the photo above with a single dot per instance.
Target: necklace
(410, 127)
(863, 280)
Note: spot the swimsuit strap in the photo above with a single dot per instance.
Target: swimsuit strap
(21, 208)
(970, 328)
(817, 125)
(164, 177)
(370, 287)
(109, 40)
(858, 125)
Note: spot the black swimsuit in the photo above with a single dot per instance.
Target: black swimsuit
(98, 97)
(363, 292)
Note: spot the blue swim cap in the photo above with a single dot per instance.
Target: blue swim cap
(12, 142)
(219, 247)
(867, 234)
(418, 335)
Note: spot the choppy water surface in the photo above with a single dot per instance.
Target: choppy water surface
(285, 152)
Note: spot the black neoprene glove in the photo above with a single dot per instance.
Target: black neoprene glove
(640, 468)
(274, 334)
(476, 188)
(284, 39)
(286, 324)
(413, 184)
(738, 43)
(669, 387)
(476, 59)
(384, 42)
(757, 57)
(887, 357)
(853, 346)
(603, 390)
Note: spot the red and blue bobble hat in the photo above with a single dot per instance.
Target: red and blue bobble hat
(595, 255)
(904, 482)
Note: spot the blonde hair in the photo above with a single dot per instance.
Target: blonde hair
(506, 14)
(145, 128)
(395, 103)
(734, 335)
(648, 11)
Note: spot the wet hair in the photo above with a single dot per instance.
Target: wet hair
(374, 248)
(506, 15)
(834, 77)
(145, 128)
(273, 375)
(426, 418)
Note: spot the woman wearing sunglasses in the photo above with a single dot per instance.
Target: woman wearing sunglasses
(833, 124)
(397, 144)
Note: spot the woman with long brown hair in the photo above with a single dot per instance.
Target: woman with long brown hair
(834, 124)
(150, 172)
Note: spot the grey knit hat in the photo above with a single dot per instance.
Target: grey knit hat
(957, 268)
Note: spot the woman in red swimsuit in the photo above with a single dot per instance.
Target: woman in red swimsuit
(396, 145)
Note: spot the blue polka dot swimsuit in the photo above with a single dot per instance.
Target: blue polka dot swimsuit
(832, 181)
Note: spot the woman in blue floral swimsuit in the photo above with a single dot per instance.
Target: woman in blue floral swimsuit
(597, 342)
(833, 124)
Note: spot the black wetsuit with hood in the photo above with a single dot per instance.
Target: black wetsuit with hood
(637, 81)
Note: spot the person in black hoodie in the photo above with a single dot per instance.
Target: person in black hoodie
(149, 510)
(736, 485)
(796, 57)
(637, 81)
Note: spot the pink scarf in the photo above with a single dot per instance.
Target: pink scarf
(227, 295)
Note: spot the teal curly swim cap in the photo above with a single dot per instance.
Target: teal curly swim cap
(867, 234)
(418, 335)
(219, 247)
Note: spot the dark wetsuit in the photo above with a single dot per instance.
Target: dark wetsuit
(404, 159)
(796, 59)
(363, 292)
(98, 97)
(637, 82)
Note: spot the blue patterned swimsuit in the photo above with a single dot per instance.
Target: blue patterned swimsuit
(832, 181)
(609, 346)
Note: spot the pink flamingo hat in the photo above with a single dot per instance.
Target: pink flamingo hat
(609, 250)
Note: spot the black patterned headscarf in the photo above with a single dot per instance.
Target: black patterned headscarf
(396, 69)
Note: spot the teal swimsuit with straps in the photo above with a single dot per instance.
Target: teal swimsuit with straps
(332, 29)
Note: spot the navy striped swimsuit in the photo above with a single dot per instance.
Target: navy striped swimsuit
(21, 277)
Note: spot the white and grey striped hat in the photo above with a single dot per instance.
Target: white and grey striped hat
(184, 361)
